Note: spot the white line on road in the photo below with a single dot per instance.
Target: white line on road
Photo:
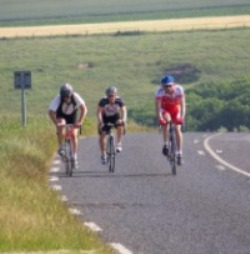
(56, 162)
(75, 211)
(64, 199)
(54, 179)
(219, 151)
(200, 152)
(220, 167)
(54, 169)
(196, 141)
(93, 226)
(56, 187)
(216, 157)
(120, 248)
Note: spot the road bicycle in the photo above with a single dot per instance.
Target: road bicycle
(110, 147)
(69, 160)
(171, 157)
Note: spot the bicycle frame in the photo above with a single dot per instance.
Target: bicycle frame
(69, 163)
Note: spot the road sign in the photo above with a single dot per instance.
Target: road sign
(22, 79)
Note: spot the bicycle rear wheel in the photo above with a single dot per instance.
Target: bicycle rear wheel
(68, 168)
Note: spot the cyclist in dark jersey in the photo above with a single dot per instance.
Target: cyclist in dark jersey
(111, 109)
(63, 110)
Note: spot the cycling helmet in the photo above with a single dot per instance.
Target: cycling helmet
(167, 80)
(66, 90)
(111, 91)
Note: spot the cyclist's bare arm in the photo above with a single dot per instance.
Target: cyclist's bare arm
(183, 107)
(52, 116)
(99, 115)
(123, 114)
(158, 109)
(83, 114)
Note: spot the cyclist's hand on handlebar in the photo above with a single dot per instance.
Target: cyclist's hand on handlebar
(180, 121)
(162, 121)
(77, 124)
(120, 122)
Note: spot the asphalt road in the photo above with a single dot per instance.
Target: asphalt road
(205, 209)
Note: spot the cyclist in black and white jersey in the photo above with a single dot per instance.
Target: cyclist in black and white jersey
(64, 110)
(111, 109)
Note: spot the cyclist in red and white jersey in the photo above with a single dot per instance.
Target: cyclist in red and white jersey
(171, 106)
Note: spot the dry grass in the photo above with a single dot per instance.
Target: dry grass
(147, 26)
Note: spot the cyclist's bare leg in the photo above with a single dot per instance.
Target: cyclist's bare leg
(165, 132)
(165, 127)
(179, 138)
(119, 133)
(61, 131)
(102, 143)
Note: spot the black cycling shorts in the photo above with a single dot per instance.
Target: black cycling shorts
(108, 119)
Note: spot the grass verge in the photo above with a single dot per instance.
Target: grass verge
(31, 216)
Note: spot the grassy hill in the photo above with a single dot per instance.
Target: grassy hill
(132, 62)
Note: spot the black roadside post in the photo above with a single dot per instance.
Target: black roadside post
(22, 80)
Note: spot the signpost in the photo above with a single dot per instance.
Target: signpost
(22, 80)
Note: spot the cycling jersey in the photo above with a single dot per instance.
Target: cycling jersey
(67, 111)
(111, 110)
(170, 101)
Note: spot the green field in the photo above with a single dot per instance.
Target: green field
(35, 12)
(133, 63)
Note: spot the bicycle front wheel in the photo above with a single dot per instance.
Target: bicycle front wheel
(111, 154)
(68, 162)
(173, 163)
(172, 156)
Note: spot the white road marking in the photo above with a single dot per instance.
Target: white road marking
(200, 152)
(57, 187)
(57, 162)
(64, 199)
(54, 169)
(196, 141)
(220, 160)
(219, 151)
(54, 179)
(93, 226)
(75, 211)
(120, 248)
(220, 167)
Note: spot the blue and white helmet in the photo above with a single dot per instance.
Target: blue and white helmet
(167, 80)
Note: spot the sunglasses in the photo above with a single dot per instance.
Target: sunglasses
(67, 97)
